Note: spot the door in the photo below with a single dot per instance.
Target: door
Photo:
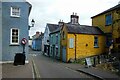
(64, 54)
(53, 51)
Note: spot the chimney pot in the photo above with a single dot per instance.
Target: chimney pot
(76, 14)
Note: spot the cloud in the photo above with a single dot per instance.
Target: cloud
(51, 11)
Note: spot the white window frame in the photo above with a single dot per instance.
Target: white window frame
(71, 43)
(11, 37)
(11, 12)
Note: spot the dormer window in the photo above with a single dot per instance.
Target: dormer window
(15, 12)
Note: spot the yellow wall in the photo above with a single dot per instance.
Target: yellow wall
(64, 41)
(81, 49)
(100, 22)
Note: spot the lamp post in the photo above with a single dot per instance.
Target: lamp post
(32, 24)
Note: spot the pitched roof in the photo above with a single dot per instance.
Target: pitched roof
(30, 7)
(52, 27)
(57, 30)
(83, 29)
(111, 9)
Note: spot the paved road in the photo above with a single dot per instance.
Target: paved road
(50, 68)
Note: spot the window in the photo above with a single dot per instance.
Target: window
(108, 19)
(51, 50)
(51, 39)
(71, 43)
(14, 36)
(63, 35)
(15, 12)
(108, 39)
(56, 39)
(56, 51)
(95, 41)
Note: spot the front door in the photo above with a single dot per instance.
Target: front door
(64, 54)
(53, 51)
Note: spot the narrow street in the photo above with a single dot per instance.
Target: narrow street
(50, 68)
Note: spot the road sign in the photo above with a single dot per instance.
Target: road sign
(24, 41)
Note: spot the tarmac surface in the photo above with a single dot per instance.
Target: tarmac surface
(35, 66)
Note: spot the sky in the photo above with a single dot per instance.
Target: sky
(52, 11)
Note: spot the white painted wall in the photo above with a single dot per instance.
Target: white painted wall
(46, 35)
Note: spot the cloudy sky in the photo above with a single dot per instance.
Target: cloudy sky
(51, 11)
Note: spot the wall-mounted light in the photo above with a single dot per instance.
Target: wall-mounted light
(32, 24)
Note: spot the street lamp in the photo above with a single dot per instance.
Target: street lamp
(32, 24)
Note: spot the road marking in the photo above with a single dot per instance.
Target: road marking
(35, 70)
(34, 55)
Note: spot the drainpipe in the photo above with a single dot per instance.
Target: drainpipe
(75, 45)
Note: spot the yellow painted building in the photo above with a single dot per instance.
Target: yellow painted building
(80, 41)
(109, 22)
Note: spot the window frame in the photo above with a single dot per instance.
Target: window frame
(96, 44)
(13, 43)
(11, 12)
(107, 23)
(63, 35)
(71, 42)
(108, 39)
(56, 38)
(56, 51)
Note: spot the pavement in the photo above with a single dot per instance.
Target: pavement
(95, 72)
(9, 71)
(27, 71)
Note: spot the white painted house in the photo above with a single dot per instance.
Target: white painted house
(49, 28)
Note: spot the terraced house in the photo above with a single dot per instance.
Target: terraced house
(109, 22)
(80, 41)
(49, 28)
(14, 27)
(37, 41)
(55, 42)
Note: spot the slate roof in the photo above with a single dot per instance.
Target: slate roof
(57, 30)
(111, 9)
(52, 27)
(83, 29)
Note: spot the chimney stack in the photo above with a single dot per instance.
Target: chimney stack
(60, 22)
(74, 18)
(37, 32)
